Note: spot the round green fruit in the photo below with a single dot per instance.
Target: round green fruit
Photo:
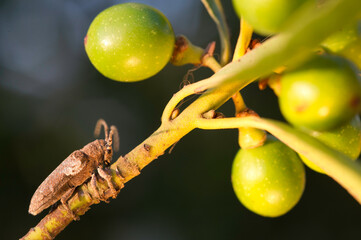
(353, 52)
(321, 94)
(266, 16)
(268, 180)
(345, 139)
(346, 42)
(341, 39)
(129, 42)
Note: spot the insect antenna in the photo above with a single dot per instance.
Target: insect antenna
(98, 127)
(113, 136)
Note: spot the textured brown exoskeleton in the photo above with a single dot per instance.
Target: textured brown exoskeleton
(76, 169)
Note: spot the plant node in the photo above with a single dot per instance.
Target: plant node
(186, 53)
(249, 137)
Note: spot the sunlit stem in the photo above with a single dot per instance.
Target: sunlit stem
(195, 88)
(247, 137)
(342, 169)
(244, 38)
(212, 63)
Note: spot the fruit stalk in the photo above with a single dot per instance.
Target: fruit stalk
(338, 166)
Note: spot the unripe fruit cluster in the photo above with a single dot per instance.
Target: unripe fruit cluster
(321, 97)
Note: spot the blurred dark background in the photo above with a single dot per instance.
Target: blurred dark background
(51, 97)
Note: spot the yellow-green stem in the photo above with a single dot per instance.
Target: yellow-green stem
(337, 165)
(244, 39)
(211, 62)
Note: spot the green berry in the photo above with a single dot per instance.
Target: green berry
(345, 139)
(266, 16)
(353, 52)
(341, 39)
(321, 94)
(268, 180)
(346, 42)
(129, 42)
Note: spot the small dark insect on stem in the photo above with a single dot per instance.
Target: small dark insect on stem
(78, 167)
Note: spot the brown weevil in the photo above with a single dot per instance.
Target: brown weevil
(78, 167)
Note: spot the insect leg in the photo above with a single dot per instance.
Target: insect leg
(64, 200)
(108, 178)
(94, 188)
